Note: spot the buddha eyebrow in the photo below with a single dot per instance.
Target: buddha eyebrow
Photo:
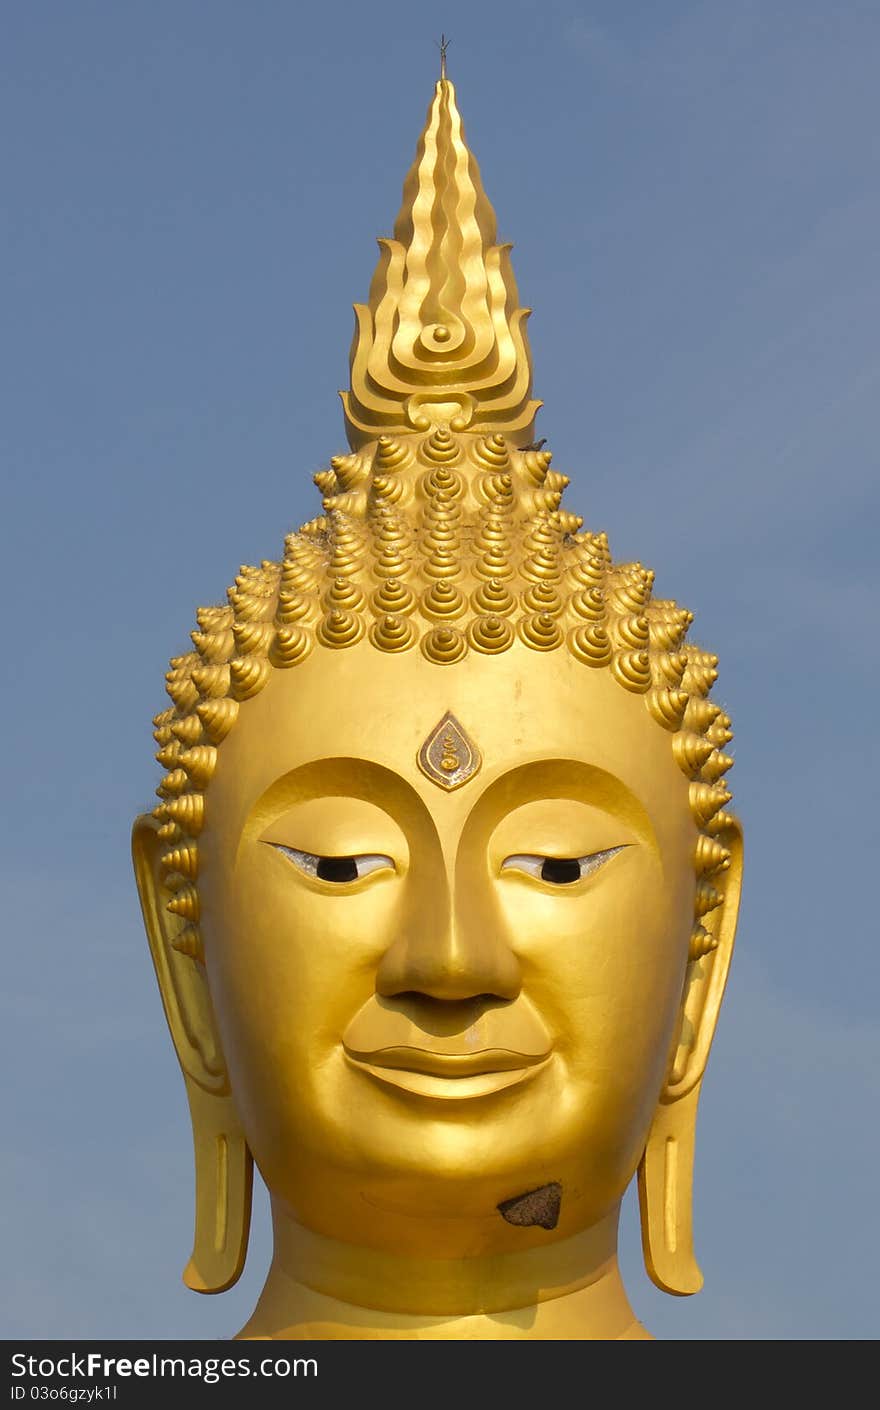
(338, 778)
(561, 780)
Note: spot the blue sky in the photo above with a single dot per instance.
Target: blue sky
(191, 196)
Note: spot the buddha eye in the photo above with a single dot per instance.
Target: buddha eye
(559, 871)
(336, 869)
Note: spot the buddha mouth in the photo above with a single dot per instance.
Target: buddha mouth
(448, 1076)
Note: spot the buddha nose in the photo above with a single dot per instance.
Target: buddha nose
(454, 955)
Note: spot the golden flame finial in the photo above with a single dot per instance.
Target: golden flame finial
(442, 341)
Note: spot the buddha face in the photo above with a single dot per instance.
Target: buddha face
(432, 1000)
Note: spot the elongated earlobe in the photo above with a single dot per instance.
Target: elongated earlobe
(666, 1197)
(666, 1172)
(224, 1181)
(223, 1163)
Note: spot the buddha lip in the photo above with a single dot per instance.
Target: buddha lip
(451, 1065)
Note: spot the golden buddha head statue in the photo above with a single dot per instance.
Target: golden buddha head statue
(442, 885)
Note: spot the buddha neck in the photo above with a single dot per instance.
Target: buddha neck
(321, 1289)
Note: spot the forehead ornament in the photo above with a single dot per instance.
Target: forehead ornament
(449, 756)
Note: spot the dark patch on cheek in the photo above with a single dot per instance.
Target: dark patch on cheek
(535, 1207)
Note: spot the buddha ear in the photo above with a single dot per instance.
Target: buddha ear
(223, 1163)
(665, 1180)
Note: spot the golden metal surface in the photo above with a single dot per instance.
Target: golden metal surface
(449, 756)
(442, 339)
(449, 1023)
